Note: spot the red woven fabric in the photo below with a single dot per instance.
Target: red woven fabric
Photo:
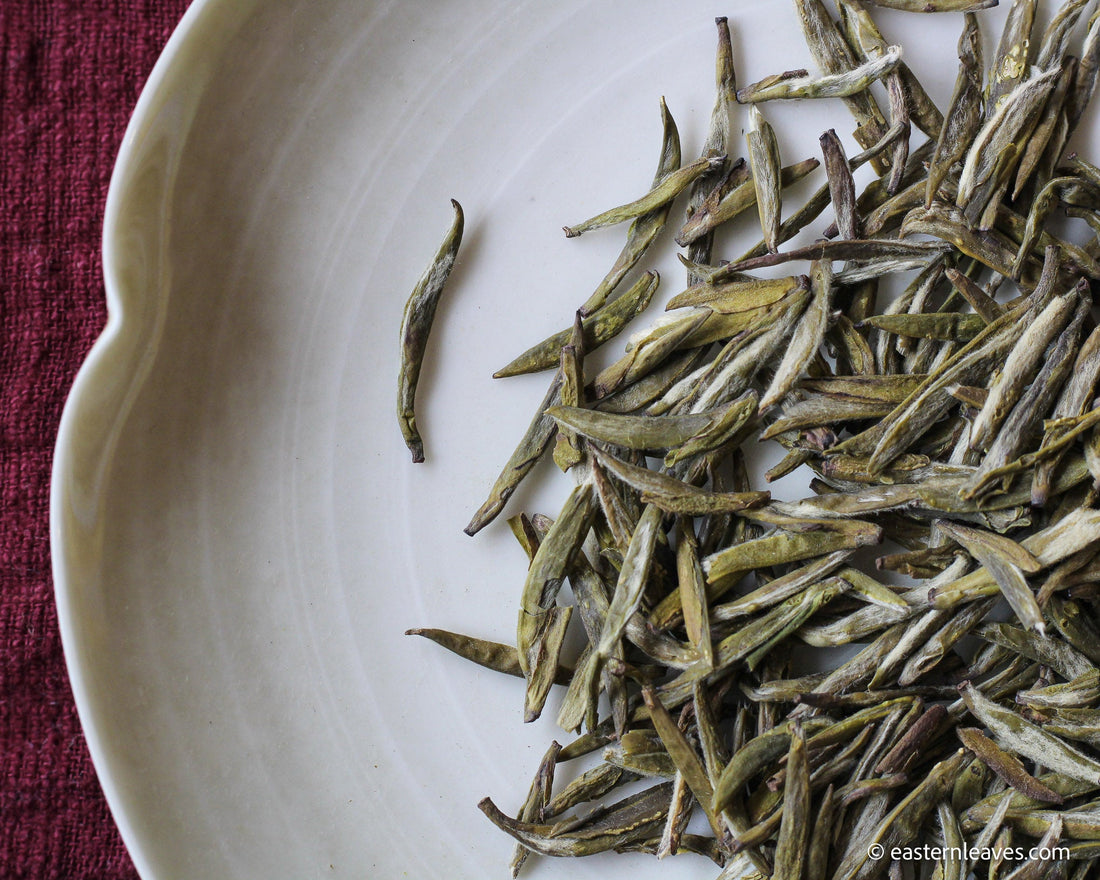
(72, 71)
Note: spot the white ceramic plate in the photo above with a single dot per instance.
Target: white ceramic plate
(239, 537)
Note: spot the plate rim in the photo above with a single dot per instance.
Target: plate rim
(186, 35)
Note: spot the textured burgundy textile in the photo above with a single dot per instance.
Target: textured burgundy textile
(72, 72)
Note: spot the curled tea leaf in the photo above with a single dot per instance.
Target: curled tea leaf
(416, 325)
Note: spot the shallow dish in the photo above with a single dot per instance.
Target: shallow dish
(239, 537)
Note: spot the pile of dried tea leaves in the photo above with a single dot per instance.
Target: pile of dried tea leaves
(958, 421)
